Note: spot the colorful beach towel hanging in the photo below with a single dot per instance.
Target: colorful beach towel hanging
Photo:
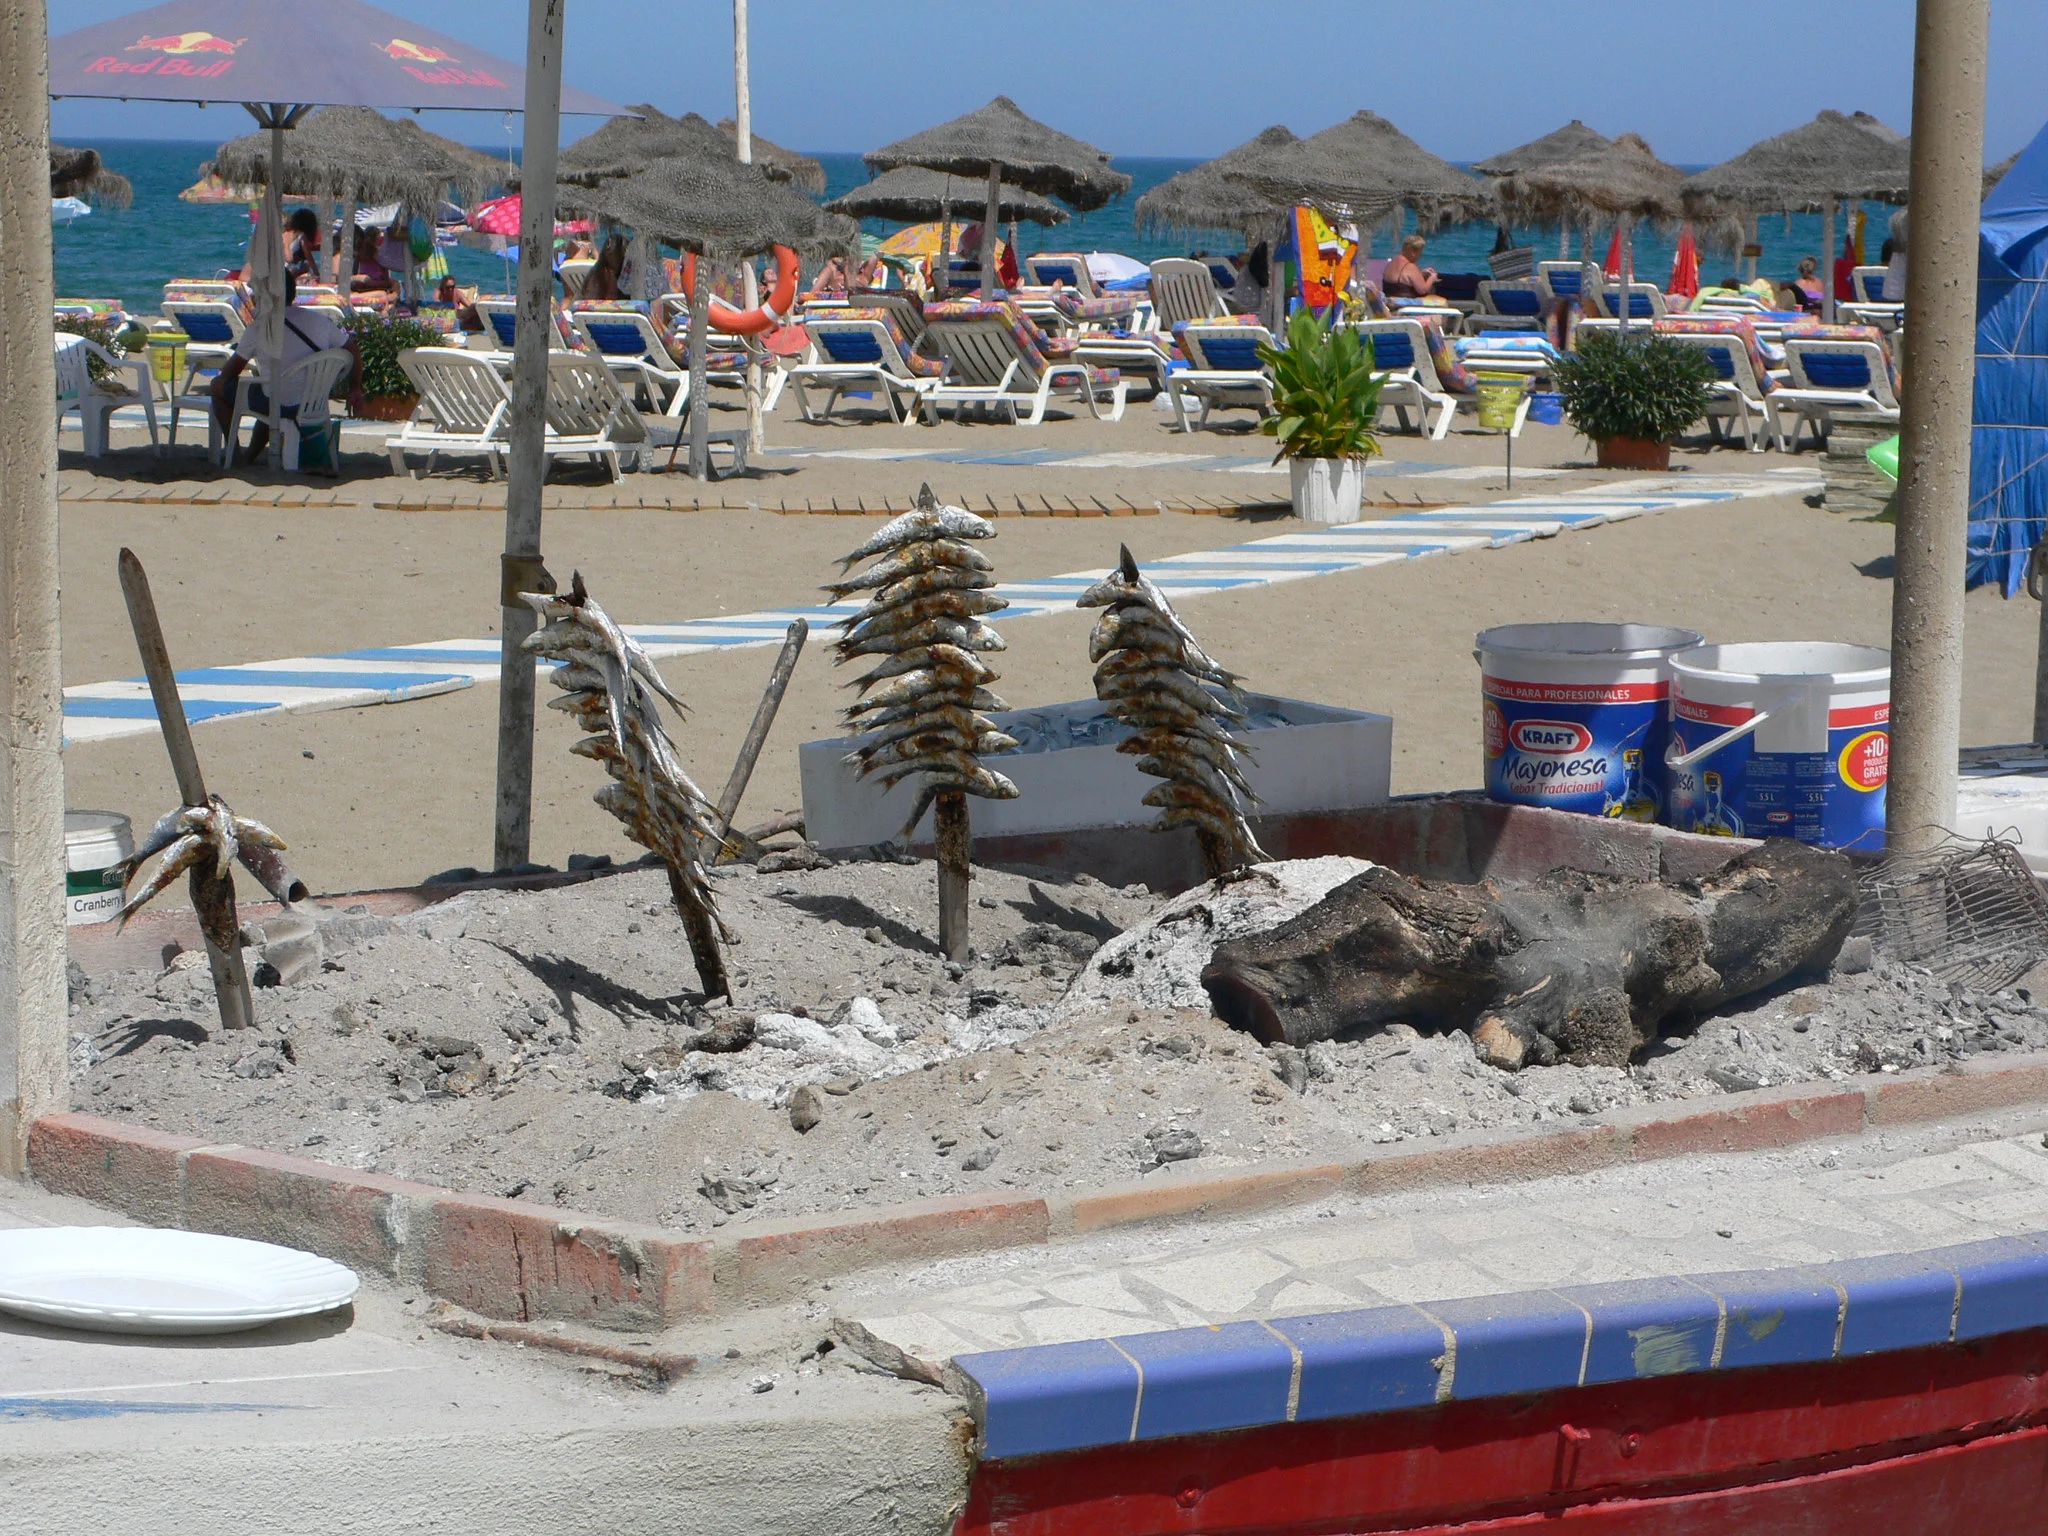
(1325, 256)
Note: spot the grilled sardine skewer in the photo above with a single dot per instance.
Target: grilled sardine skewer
(1153, 675)
(928, 593)
(612, 689)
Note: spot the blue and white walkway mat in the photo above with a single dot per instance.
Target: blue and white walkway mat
(389, 674)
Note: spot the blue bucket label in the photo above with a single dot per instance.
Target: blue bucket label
(1833, 799)
(1596, 748)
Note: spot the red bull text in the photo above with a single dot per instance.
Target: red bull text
(194, 55)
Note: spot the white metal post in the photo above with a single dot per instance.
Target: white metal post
(743, 136)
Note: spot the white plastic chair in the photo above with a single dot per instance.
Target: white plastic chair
(1737, 393)
(987, 365)
(1183, 290)
(463, 405)
(1065, 268)
(635, 351)
(1141, 352)
(1646, 302)
(1402, 362)
(95, 402)
(211, 327)
(587, 414)
(1223, 372)
(1831, 378)
(312, 378)
(1510, 304)
(848, 354)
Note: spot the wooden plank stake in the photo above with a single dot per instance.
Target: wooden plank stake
(213, 892)
(955, 852)
(764, 719)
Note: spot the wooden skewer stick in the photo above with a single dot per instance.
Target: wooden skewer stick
(213, 890)
(757, 734)
(955, 839)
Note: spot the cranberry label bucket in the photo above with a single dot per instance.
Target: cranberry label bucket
(1573, 715)
(1785, 739)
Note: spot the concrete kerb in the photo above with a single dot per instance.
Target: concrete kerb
(507, 1259)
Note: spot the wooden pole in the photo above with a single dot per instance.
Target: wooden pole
(989, 219)
(1949, 55)
(526, 463)
(764, 720)
(213, 889)
(1827, 263)
(955, 840)
(702, 933)
(33, 1029)
(750, 284)
(345, 250)
(700, 386)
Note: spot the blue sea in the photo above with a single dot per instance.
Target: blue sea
(131, 253)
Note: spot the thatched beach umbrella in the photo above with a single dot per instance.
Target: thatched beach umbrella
(1837, 159)
(805, 172)
(725, 212)
(1574, 141)
(79, 173)
(910, 194)
(356, 155)
(1621, 183)
(1000, 142)
(1994, 174)
(1209, 196)
(1364, 168)
(624, 145)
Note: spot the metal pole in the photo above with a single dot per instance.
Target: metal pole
(345, 250)
(273, 281)
(700, 404)
(1934, 462)
(743, 136)
(32, 1001)
(988, 228)
(1628, 269)
(526, 463)
(1827, 263)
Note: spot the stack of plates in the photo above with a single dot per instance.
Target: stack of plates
(154, 1280)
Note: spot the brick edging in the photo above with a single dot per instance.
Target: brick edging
(511, 1259)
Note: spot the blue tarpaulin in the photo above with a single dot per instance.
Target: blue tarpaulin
(2009, 439)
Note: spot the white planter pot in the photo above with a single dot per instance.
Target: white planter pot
(1327, 490)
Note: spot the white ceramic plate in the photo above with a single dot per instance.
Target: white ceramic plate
(156, 1280)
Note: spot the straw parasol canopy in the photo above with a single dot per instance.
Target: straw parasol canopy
(713, 205)
(1208, 197)
(1363, 168)
(1625, 179)
(1574, 141)
(805, 171)
(1032, 156)
(910, 194)
(79, 173)
(355, 154)
(1993, 175)
(1810, 169)
(625, 145)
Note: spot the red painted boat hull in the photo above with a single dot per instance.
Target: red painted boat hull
(1952, 1438)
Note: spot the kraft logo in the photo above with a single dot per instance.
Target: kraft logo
(1550, 738)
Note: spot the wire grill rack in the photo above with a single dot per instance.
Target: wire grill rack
(1970, 912)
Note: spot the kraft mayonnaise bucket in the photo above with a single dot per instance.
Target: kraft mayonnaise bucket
(94, 842)
(1574, 714)
(1788, 739)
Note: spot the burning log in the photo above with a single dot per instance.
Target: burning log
(921, 708)
(1155, 677)
(611, 687)
(1573, 967)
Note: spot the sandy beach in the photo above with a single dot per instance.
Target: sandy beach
(388, 795)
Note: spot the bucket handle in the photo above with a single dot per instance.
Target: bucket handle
(1674, 759)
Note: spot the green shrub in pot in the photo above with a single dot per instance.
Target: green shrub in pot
(1633, 396)
(1325, 400)
(379, 340)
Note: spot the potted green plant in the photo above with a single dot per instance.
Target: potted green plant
(1633, 396)
(1325, 400)
(388, 394)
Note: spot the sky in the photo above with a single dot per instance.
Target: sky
(1192, 78)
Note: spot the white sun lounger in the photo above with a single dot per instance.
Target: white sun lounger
(987, 365)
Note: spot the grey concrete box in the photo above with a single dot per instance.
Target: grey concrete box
(1069, 775)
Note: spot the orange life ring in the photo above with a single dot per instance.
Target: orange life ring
(771, 312)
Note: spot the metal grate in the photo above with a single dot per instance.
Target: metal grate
(1970, 912)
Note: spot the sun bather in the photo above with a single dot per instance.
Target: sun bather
(1404, 278)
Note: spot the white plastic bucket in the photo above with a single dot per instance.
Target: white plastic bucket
(94, 842)
(1573, 715)
(1781, 739)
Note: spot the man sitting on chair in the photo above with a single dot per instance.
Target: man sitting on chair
(306, 331)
